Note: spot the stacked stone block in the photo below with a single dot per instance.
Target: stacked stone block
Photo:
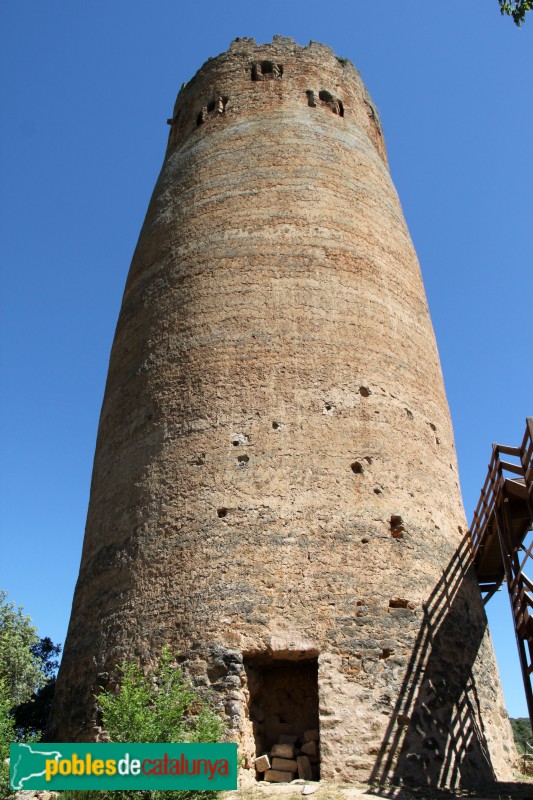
(291, 758)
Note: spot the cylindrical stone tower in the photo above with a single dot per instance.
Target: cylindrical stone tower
(275, 490)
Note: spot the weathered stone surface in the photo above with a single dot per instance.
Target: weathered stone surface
(282, 751)
(310, 748)
(304, 768)
(262, 764)
(285, 764)
(287, 739)
(277, 776)
(275, 478)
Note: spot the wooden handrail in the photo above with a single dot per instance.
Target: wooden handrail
(493, 515)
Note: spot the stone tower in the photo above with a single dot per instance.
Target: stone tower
(275, 489)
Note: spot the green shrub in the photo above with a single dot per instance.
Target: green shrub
(160, 707)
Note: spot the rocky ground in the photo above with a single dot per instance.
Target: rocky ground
(522, 789)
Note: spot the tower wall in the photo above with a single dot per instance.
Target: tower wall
(275, 481)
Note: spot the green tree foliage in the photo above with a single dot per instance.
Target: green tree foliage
(28, 666)
(27, 678)
(7, 735)
(522, 732)
(46, 652)
(516, 9)
(31, 716)
(19, 668)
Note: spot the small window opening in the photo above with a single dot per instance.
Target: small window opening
(272, 70)
(311, 98)
(283, 709)
(243, 460)
(266, 69)
(333, 103)
(217, 104)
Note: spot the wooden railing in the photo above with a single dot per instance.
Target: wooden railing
(496, 514)
(492, 489)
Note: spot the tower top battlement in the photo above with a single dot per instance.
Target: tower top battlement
(248, 78)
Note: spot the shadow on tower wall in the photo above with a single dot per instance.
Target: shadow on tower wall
(435, 736)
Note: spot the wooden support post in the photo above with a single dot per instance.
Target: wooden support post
(516, 590)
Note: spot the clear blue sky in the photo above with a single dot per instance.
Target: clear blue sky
(85, 92)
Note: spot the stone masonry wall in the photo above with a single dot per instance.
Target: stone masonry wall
(275, 475)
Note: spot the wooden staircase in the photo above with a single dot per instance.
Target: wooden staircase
(501, 522)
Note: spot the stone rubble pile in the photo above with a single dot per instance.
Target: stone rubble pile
(290, 758)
